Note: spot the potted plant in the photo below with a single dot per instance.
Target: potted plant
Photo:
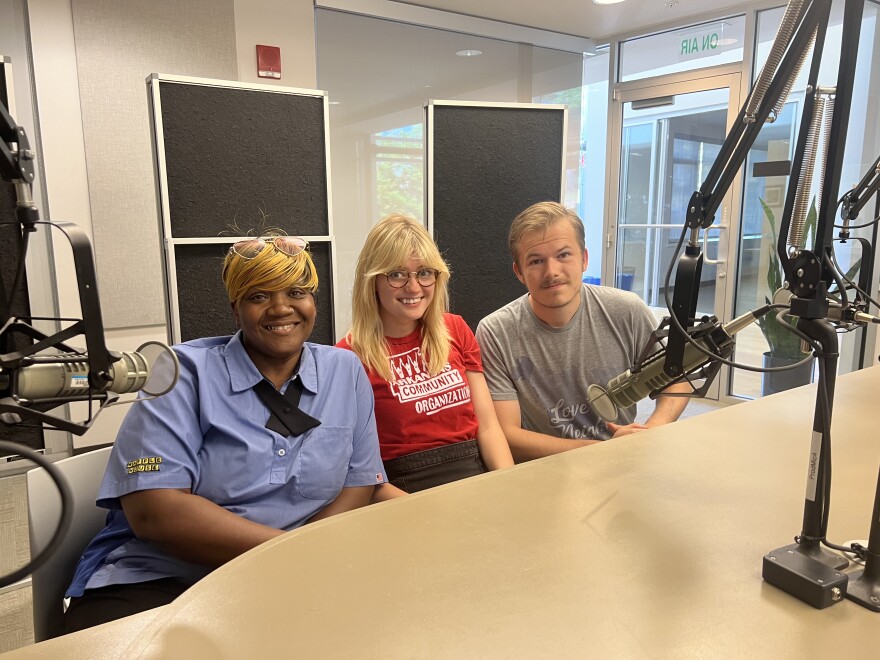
(784, 345)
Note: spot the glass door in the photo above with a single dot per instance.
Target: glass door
(670, 135)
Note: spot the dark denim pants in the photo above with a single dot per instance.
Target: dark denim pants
(435, 467)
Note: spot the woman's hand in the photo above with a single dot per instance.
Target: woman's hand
(191, 527)
(490, 438)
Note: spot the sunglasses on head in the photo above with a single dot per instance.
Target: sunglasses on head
(250, 248)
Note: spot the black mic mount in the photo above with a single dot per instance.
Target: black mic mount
(804, 569)
(32, 382)
(17, 166)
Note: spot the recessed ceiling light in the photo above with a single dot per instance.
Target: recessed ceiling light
(469, 53)
(606, 2)
(335, 102)
(727, 41)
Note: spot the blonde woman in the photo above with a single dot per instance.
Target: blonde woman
(434, 414)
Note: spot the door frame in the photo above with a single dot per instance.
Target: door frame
(728, 218)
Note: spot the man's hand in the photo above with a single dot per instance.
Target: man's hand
(620, 431)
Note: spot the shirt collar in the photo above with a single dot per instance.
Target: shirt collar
(243, 374)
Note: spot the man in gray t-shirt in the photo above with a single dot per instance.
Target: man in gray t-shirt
(542, 351)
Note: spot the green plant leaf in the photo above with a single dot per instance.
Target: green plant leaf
(782, 342)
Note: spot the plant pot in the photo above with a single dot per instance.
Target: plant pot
(771, 383)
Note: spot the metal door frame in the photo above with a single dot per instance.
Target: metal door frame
(726, 76)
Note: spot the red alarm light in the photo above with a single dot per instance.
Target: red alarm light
(269, 62)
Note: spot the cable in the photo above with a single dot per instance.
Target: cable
(66, 512)
(836, 274)
(714, 356)
(857, 549)
(867, 224)
(812, 342)
(850, 282)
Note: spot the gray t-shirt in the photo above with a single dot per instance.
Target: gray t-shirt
(549, 369)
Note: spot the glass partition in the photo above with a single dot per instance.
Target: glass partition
(377, 112)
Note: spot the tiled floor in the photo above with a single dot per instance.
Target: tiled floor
(16, 622)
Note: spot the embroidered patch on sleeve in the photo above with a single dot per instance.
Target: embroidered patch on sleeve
(145, 464)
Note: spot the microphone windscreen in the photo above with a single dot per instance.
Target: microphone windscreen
(163, 366)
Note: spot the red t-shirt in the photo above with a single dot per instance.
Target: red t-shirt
(419, 411)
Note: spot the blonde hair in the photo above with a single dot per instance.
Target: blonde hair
(390, 244)
(539, 217)
(269, 267)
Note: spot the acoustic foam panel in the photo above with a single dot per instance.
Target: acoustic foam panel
(234, 155)
(489, 163)
(204, 306)
(9, 258)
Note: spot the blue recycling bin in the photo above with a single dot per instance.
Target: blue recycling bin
(624, 280)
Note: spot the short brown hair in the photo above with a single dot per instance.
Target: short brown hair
(539, 217)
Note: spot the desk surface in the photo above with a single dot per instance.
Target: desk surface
(646, 546)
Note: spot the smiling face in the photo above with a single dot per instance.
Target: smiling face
(401, 309)
(550, 263)
(274, 324)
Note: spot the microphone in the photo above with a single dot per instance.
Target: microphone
(636, 383)
(153, 368)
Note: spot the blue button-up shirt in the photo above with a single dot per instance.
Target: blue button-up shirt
(209, 435)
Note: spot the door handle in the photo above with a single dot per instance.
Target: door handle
(707, 260)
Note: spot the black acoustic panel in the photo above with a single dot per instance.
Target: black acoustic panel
(490, 163)
(236, 155)
(4, 96)
(10, 236)
(20, 304)
(203, 304)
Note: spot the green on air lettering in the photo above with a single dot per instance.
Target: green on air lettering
(695, 45)
(689, 46)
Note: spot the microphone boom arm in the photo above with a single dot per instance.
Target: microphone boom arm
(806, 19)
(17, 166)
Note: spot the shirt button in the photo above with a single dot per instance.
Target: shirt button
(281, 452)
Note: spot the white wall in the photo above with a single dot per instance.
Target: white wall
(288, 24)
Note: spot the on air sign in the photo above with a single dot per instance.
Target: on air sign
(698, 45)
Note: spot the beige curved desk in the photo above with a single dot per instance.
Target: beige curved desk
(647, 546)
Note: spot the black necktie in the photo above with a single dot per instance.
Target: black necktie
(286, 418)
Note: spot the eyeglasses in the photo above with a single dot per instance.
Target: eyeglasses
(250, 248)
(399, 278)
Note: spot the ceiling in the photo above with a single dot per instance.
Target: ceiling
(584, 18)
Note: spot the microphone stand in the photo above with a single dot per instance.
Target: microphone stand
(803, 569)
(17, 166)
(864, 584)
